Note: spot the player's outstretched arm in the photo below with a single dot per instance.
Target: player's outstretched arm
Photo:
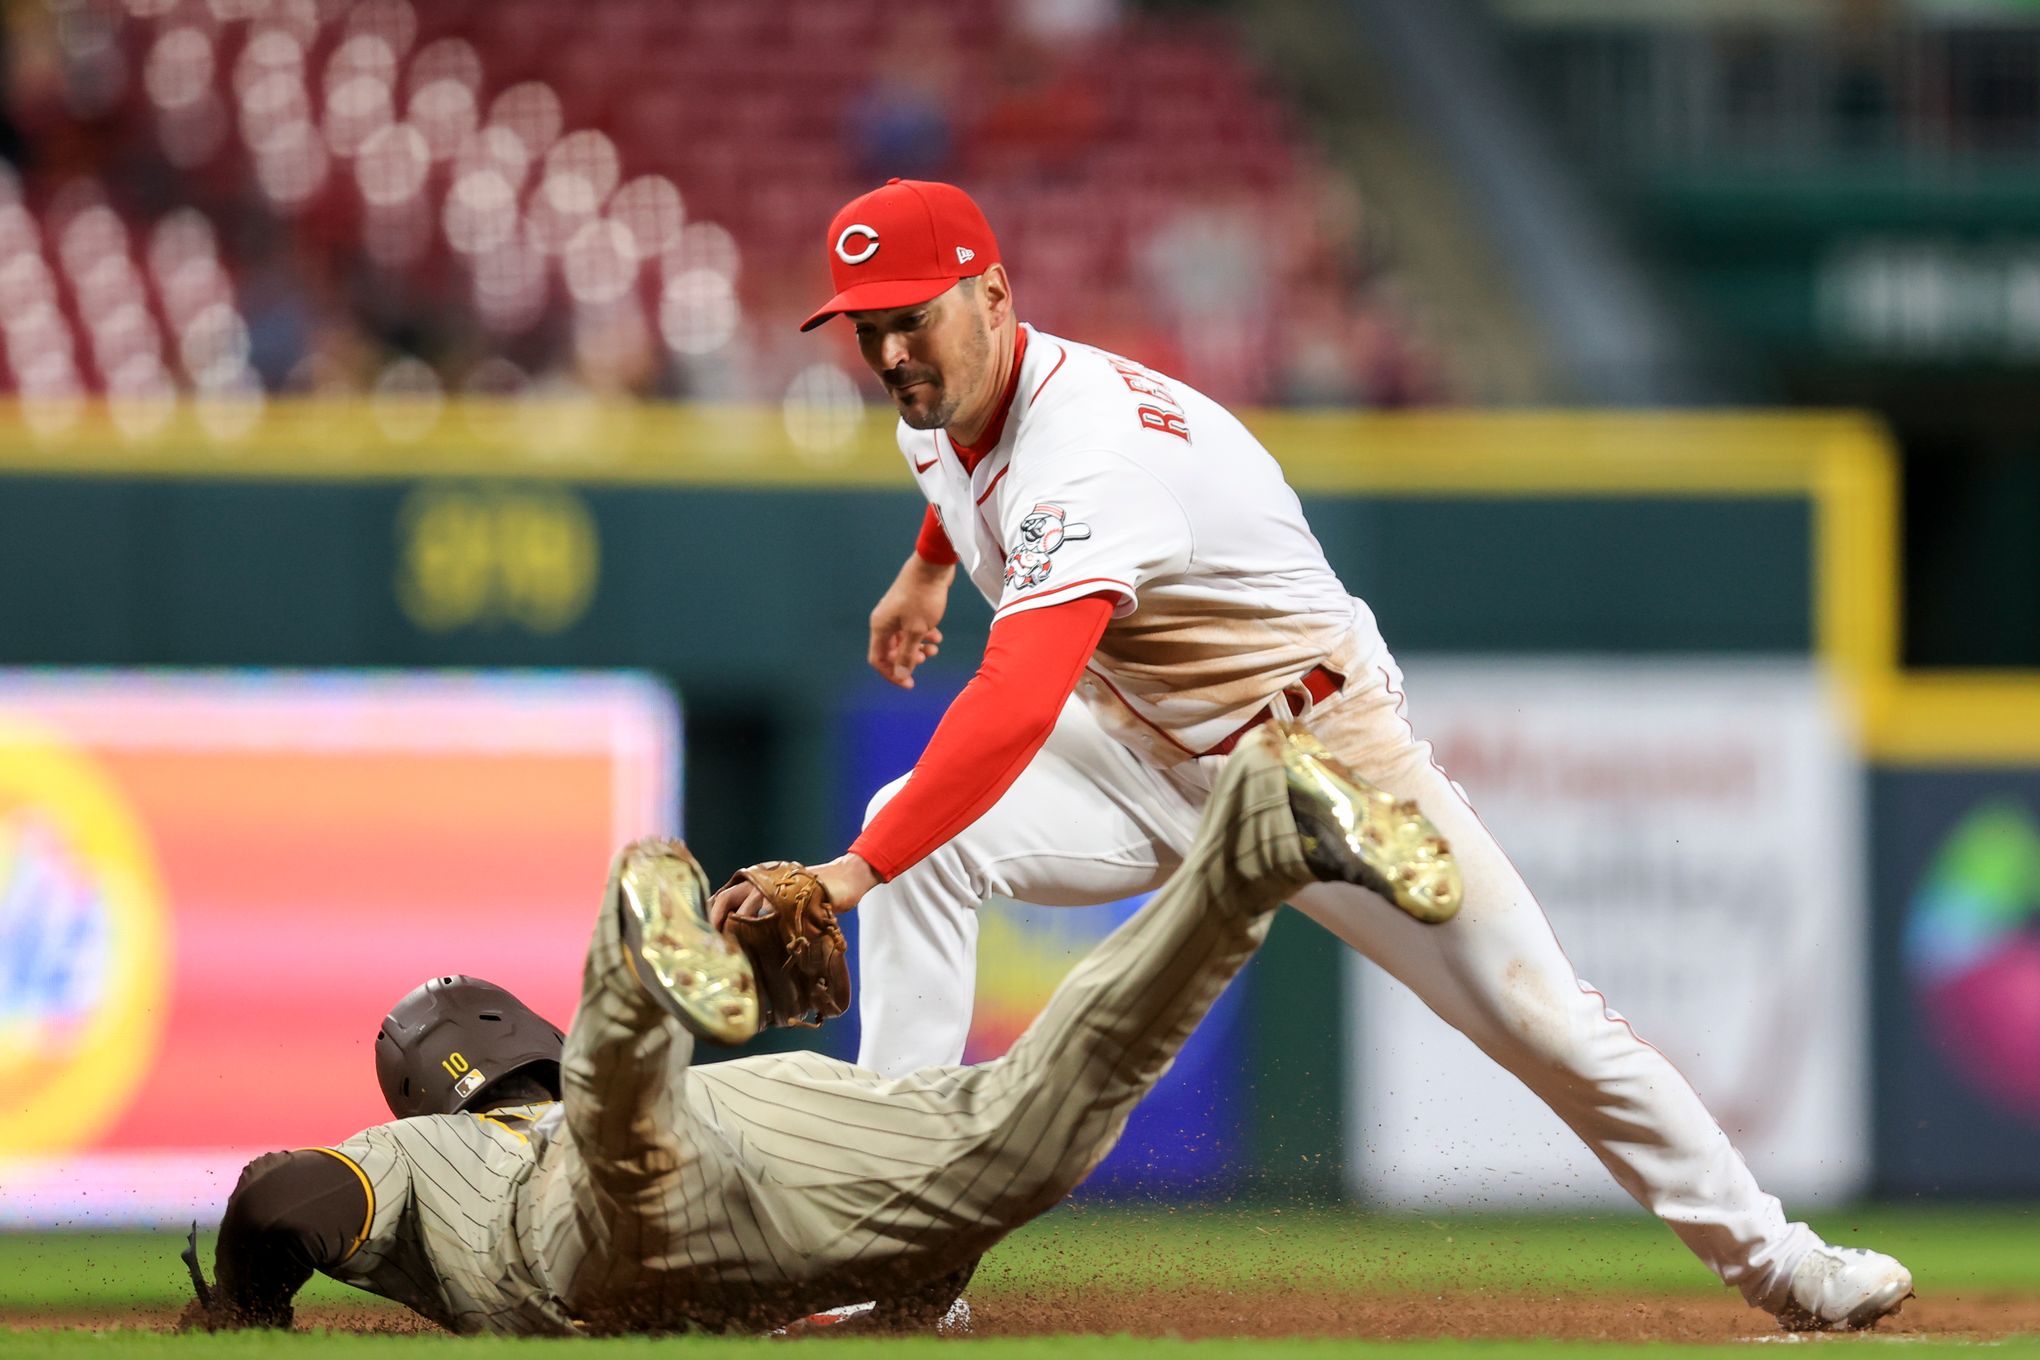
(905, 625)
(1004, 715)
(291, 1213)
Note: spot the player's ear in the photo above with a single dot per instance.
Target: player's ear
(995, 294)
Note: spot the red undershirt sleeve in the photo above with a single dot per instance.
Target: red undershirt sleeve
(933, 545)
(1032, 662)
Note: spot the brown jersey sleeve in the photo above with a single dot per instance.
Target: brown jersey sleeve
(291, 1213)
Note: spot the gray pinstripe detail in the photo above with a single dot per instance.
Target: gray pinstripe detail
(756, 1190)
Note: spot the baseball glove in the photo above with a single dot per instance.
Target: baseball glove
(779, 915)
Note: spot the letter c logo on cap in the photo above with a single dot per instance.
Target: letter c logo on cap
(847, 255)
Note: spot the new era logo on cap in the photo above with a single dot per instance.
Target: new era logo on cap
(933, 235)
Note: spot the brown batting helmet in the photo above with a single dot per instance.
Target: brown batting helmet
(449, 1040)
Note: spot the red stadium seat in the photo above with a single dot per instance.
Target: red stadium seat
(1081, 150)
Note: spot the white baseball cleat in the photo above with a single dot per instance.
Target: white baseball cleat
(835, 1317)
(1841, 1289)
(955, 1321)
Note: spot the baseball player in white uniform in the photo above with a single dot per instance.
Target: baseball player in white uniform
(1156, 593)
(540, 1183)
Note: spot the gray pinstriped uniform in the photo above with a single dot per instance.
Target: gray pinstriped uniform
(443, 1237)
(656, 1195)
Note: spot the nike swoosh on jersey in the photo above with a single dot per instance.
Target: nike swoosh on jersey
(923, 467)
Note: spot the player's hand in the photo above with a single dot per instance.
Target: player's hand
(904, 630)
(736, 898)
(845, 879)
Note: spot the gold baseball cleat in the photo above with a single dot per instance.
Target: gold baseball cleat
(681, 961)
(1354, 832)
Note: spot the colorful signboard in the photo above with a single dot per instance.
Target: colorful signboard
(212, 886)
(1958, 899)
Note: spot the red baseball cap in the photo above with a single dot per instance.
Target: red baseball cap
(904, 242)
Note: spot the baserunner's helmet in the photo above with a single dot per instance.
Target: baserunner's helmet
(449, 1040)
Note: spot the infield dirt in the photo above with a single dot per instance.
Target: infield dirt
(1200, 1314)
(1252, 1272)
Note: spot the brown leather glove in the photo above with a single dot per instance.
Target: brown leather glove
(779, 915)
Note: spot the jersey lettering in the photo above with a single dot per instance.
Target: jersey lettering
(1142, 386)
(1161, 411)
(1168, 422)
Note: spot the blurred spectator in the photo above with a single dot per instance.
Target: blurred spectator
(35, 87)
(338, 361)
(1045, 110)
(13, 147)
(1867, 78)
(279, 302)
(1208, 267)
(1064, 23)
(615, 352)
(356, 197)
(901, 125)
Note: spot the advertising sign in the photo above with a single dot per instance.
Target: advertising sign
(213, 885)
(1693, 831)
(1958, 971)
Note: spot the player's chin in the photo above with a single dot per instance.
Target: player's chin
(920, 406)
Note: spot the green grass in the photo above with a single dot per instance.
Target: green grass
(1952, 1252)
(1978, 1249)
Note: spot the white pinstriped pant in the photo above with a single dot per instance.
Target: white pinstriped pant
(747, 1193)
(1091, 822)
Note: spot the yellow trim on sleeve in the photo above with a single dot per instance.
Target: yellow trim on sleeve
(491, 1119)
(509, 1111)
(369, 1220)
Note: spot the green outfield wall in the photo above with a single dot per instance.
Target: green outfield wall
(729, 589)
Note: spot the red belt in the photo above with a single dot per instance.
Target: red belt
(1317, 682)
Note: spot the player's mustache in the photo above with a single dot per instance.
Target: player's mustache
(906, 377)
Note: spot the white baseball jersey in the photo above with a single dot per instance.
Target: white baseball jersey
(1110, 478)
